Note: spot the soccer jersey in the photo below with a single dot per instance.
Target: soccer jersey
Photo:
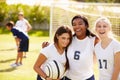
(24, 40)
(80, 55)
(19, 34)
(22, 24)
(51, 53)
(106, 59)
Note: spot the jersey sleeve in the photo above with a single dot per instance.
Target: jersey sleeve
(46, 51)
(26, 21)
(14, 32)
(116, 47)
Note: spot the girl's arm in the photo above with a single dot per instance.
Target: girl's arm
(17, 40)
(116, 70)
(29, 27)
(41, 59)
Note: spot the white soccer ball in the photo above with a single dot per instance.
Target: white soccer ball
(54, 69)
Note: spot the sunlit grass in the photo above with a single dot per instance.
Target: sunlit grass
(8, 55)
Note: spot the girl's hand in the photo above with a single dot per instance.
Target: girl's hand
(45, 44)
(48, 78)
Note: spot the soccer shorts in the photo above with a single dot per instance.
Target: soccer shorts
(24, 45)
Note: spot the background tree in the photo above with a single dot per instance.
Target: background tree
(106, 1)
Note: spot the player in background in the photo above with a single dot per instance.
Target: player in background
(24, 25)
(23, 42)
(107, 51)
(55, 51)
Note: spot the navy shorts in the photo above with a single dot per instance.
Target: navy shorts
(66, 78)
(24, 45)
(91, 78)
(39, 78)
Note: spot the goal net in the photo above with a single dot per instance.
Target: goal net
(62, 13)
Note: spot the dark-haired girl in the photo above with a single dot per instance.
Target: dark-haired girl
(55, 51)
(81, 51)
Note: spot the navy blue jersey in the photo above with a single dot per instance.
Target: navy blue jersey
(19, 34)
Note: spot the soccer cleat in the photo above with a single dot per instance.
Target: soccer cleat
(14, 65)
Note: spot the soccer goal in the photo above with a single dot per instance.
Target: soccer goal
(62, 13)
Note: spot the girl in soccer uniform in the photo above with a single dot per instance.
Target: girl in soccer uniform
(23, 25)
(55, 51)
(107, 51)
(23, 42)
(81, 51)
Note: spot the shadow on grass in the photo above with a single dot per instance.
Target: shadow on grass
(7, 49)
(8, 60)
(8, 69)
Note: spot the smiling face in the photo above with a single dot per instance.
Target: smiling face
(79, 28)
(102, 28)
(63, 40)
(63, 36)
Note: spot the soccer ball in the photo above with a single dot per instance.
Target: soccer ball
(54, 69)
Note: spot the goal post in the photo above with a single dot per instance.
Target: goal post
(62, 13)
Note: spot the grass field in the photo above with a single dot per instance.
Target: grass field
(8, 55)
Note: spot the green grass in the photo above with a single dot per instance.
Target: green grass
(31, 32)
(8, 55)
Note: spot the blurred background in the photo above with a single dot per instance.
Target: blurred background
(46, 15)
